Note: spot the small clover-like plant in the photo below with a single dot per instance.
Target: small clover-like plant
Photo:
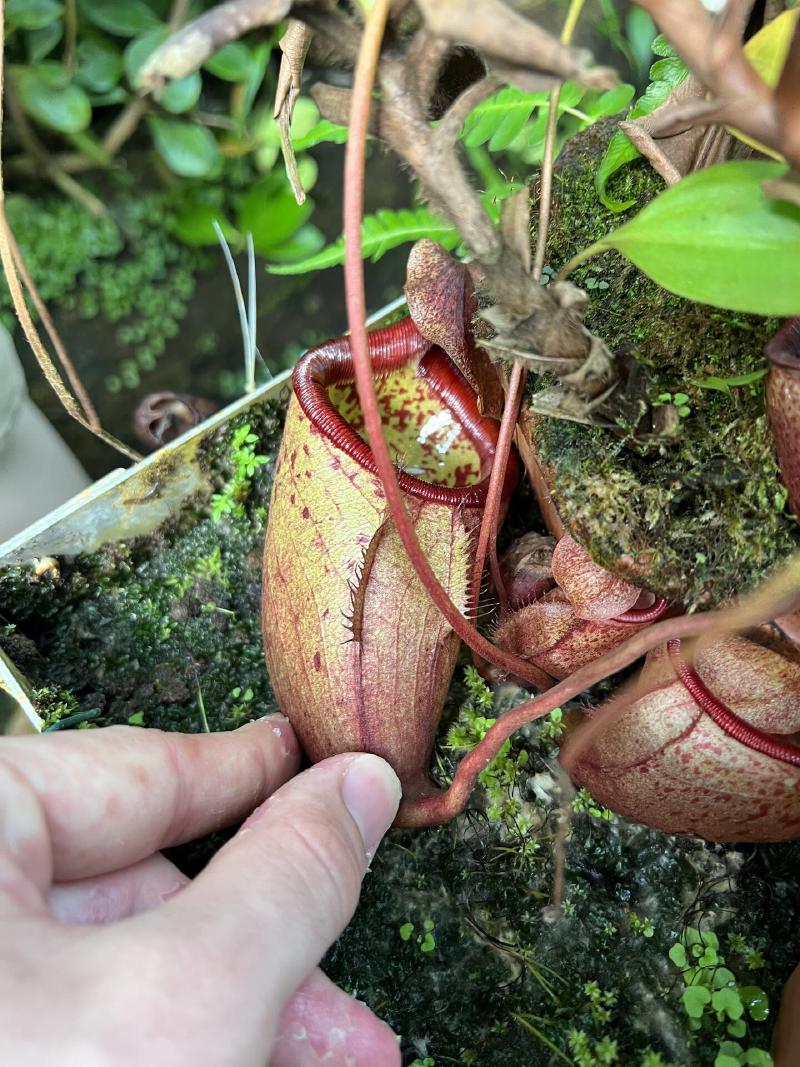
(715, 1002)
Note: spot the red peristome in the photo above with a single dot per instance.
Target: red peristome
(390, 349)
(644, 616)
(359, 656)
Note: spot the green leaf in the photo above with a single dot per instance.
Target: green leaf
(139, 50)
(31, 14)
(724, 1060)
(499, 120)
(666, 74)
(661, 46)
(724, 385)
(717, 239)
(379, 233)
(758, 1057)
(678, 956)
(114, 96)
(737, 1028)
(610, 102)
(727, 1000)
(40, 43)
(123, 18)
(181, 94)
(270, 212)
(755, 1001)
(232, 63)
(259, 58)
(300, 245)
(619, 152)
(48, 96)
(695, 999)
(188, 150)
(99, 64)
(322, 131)
(194, 225)
(405, 931)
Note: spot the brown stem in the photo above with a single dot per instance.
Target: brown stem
(489, 521)
(68, 366)
(366, 65)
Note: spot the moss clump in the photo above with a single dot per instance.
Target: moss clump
(147, 631)
(698, 514)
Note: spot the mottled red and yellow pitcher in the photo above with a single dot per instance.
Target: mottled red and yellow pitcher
(359, 657)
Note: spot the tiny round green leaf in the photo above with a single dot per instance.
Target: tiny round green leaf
(49, 97)
(188, 150)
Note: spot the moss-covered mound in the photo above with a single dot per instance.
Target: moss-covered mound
(697, 512)
(163, 631)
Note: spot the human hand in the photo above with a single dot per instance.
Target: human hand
(108, 955)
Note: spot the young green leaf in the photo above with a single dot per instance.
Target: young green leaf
(322, 131)
(48, 95)
(380, 233)
(724, 385)
(717, 239)
(40, 43)
(755, 1001)
(270, 212)
(188, 150)
(232, 63)
(194, 225)
(121, 19)
(31, 14)
(99, 64)
(695, 999)
(499, 120)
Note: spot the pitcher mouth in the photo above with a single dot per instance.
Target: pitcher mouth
(394, 348)
(783, 349)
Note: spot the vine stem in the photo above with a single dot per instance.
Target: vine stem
(355, 297)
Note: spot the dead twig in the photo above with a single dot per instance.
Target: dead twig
(294, 45)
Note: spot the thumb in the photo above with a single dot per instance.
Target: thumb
(277, 895)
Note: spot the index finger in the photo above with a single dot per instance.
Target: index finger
(114, 796)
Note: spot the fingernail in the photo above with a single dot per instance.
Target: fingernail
(371, 793)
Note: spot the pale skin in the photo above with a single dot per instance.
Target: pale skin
(110, 956)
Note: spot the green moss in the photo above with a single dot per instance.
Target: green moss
(697, 514)
(153, 630)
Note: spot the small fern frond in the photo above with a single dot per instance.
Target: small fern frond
(379, 233)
